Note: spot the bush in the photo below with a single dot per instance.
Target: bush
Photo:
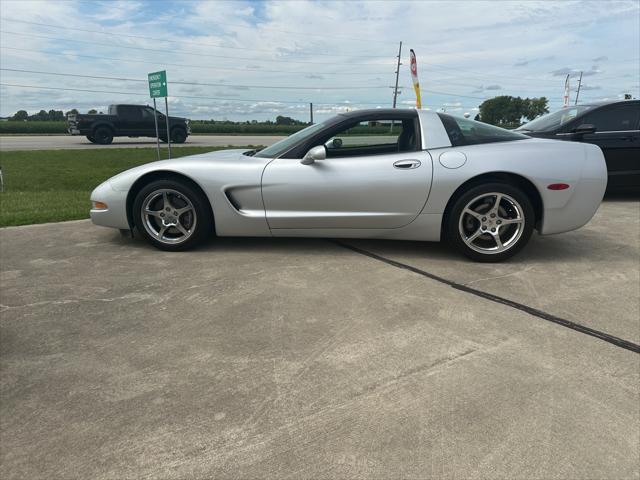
(33, 127)
(244, 128)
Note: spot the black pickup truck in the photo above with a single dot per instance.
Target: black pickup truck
(127, 121)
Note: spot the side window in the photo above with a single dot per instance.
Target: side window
(614, 119)
(147, 114)
(462, 131)
(373, 137)
(129, 112)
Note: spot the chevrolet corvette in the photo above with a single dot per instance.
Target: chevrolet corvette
(384, 173)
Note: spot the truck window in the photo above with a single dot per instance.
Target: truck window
(130, 112)
(147, 114)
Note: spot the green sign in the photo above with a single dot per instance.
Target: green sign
(158, 84)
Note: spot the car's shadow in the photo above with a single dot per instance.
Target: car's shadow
(622, 196)
(578, 246)
(571, 247)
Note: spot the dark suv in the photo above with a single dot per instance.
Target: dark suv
(613, 126)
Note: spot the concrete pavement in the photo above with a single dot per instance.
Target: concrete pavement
(58, 142)
(293, 358)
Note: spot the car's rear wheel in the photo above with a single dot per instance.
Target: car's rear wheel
(102, 135)
(91, 139)
(172, 215)
(178, 135)
(491, 222)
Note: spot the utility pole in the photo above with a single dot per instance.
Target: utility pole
(311, 112)
(578, 92)
(395, 90)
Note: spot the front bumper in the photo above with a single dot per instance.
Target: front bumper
(115, 215)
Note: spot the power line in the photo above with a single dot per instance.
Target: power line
(186, 42)
(252, 59)
(437, 92)
(228, 85)
(39, 87)
(223, 99)
(257, 70)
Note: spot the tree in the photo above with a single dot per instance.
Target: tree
(42, 115)
(535, 107)
(21, 116)
(93, 111)
(72, 111)
(280, 120)
(508, 111)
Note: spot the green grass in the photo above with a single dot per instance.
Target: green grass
(54, 185)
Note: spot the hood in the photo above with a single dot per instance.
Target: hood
(222, 158)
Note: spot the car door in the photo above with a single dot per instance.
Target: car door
(618, 135)
(147, 123)
(130, 118)
(364, 183)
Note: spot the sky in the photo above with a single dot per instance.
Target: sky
(252, 60)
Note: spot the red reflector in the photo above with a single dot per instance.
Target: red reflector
(558, 186)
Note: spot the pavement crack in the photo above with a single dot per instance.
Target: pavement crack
(425, 367)
(526, 269)
(617, 341)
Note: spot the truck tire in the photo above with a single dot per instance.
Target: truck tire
(103, 135)
(91, 139)
(178, 135)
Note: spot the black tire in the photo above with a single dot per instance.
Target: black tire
(102, 135)
(91, 139)
(163, 138)
(178, 135)
(461, 226)
(199, 224)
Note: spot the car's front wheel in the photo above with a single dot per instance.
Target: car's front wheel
(490, 222)
(172, 214)
(178, 135)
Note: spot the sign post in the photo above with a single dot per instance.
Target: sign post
(155, 119)
(157, 89)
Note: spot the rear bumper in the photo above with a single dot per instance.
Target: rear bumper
(585, 199)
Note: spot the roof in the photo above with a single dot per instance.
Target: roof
(608, 102)
(379, 112)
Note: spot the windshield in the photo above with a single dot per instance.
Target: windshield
(285, 144)
(551, 121)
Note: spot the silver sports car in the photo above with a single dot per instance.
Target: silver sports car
(384, 173)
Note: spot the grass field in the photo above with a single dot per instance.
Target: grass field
(54, 185)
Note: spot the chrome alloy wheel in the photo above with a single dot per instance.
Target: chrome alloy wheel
(491, 223)
(168, 216)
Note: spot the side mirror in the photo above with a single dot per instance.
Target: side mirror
(584, 128)
(315, 154)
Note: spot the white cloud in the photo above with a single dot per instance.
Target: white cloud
(459, 48)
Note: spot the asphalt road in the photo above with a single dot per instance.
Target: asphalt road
(293, 358)
(58, 142)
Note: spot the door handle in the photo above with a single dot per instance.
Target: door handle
(406, 164)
